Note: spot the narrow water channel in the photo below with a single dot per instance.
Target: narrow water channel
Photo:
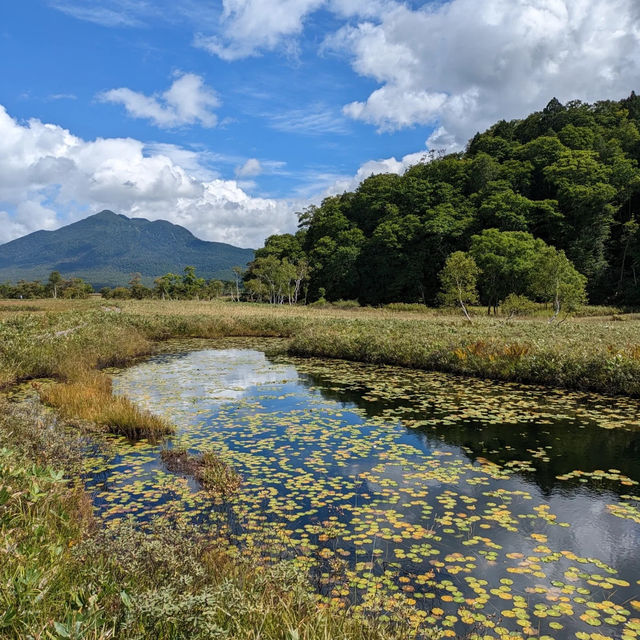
(492, 507)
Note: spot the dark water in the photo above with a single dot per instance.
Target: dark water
(492, 508)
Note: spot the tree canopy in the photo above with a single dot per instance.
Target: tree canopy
(564, 179)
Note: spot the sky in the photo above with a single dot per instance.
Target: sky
(229, 116)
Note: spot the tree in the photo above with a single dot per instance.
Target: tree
(168, 285)
(216, 287)
(76, 288)
(514, 305)
(192, 286)
(556, 280)
(137, 289)
(54, 282)
(505, 259)
(256, 289)
(238, 273)
(303, 271)
(458, 280)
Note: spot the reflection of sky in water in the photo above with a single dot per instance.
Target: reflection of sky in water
(236, 371)
(308, 452)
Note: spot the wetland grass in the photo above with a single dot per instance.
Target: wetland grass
(89, 397)
(598, 353)
(210, 470)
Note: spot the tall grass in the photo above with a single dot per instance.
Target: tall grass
(598, 353)
(583, 355)
(89, 397)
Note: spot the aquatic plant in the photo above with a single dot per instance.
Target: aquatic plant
(210, 470)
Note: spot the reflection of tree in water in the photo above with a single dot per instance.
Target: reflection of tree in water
(566, 445)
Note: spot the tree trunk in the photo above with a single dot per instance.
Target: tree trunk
(464, 310)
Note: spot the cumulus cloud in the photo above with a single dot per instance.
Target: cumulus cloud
(457, 65)
(249, 169)
(187, 101)
(49, 177)
(373, 167)
(250, 25)
(461, 65)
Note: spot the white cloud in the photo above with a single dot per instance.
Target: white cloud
(121, 13)
(187, 101)
(49, 177)
(62, 96)
(463, 64)
(250, 25)
(250, 168)
(313, 120)
(373, 167)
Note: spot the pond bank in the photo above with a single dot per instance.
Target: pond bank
(600, 354)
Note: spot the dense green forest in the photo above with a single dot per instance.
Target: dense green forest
(566, 178)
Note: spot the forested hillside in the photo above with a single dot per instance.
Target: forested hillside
(105, 249)
(567, 176)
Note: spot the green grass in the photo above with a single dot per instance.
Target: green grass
(598, 353)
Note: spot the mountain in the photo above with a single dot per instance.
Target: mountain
(106, 248)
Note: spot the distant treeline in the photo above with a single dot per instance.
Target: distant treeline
(171, 286)
(185, 286)
(55, 287)
(564, 179)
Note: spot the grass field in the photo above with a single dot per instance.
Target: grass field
(57, 339)
(63, 578)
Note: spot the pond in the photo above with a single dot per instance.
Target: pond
(494, 508)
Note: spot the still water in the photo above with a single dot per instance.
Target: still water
(494, 508)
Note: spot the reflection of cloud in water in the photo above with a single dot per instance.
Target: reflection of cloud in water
(229, 374)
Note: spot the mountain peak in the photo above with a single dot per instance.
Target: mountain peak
(106, 248)
(105, 213)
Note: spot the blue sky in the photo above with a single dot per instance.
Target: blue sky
(228, 116)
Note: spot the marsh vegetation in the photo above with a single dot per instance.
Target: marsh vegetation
(325, 498)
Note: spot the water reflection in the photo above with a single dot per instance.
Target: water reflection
(426, 485)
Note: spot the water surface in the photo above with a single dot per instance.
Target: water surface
(491, 507)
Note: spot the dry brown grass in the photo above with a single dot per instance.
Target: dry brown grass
(89, 397)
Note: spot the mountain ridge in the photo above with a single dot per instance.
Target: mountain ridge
(106, 248)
